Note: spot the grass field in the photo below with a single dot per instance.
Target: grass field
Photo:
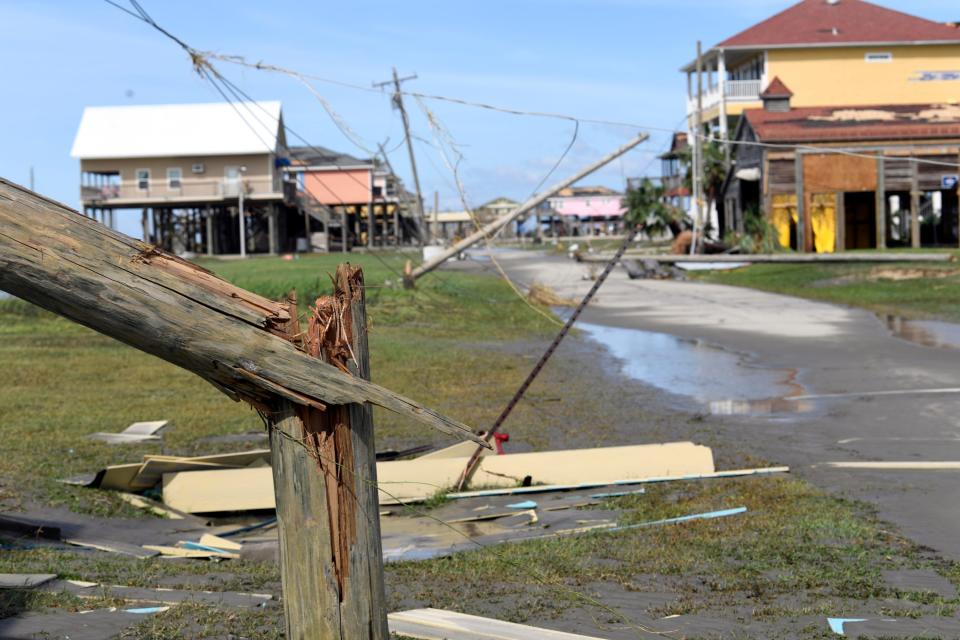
(911, 290)
(461, 343)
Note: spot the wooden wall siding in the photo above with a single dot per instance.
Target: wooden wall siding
(898, 174)
(781, 177)
(825, 173)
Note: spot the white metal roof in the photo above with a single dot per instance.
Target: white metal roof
(164, 130)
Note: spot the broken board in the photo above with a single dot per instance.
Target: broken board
(437, 624)
(136, 432)
(416, 480)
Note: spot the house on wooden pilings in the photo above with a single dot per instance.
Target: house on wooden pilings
(349, 202)
(834, 178)
(185, 169)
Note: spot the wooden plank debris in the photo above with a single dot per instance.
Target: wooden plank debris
(187, 552)
(210, 540)
(167, 596)
(112, 546)
(736, 473)
(416, 480)
(154, 507)
(136, 432)
(437, 624)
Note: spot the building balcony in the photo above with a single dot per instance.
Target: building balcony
(734, 90)
(118, 192)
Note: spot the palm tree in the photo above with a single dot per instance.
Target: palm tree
(646, 205)
(714, 170)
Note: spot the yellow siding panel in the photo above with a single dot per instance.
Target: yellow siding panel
(841, 76)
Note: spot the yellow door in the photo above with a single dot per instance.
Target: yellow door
(784, 210)
(823, 222)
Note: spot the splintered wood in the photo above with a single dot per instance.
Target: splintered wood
(324, 474)
(327, 433)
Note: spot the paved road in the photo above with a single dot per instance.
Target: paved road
(835, 350)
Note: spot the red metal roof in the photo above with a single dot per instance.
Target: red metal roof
(776, 89)
(838, 124)
(826, 22)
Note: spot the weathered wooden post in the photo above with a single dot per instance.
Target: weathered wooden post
(312, 388)
(324, 475)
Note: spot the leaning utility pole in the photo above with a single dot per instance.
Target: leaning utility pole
(311, 387)
(398, 101)
(698, 154)
(491, 228)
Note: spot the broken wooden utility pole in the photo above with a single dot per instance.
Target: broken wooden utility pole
(398, 102)
(59, 260)
(324, 477)
(491, 228)
(311, 387)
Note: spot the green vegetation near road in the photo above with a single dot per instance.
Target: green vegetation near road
(461, 343)
(911, 290)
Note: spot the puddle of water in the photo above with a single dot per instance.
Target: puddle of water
(716, 378)
(929, 333)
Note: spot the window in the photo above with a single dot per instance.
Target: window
(143, 179)
(174, 178)
(879, 57)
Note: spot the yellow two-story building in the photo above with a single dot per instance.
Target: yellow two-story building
(829, 52)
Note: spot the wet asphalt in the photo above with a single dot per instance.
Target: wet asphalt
(784, 347)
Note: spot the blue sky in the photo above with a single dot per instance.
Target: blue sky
(612, 60)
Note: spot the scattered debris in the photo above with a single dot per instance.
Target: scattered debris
(437, 624)
(710, 515)
(112, 546)
(922, 627)
(527, 504)
(190, 550)
(710, 266)
(24, 528)
(136, 432)
(590, 485)
(211, 540)
(647, 269)
(24, 580)
(154, 507)
(836, 624)
(63, 625)
(542, 294)
(158, 596)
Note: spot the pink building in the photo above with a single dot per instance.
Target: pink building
(350, 201)
(589, 210)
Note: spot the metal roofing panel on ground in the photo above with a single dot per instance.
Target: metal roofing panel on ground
(151, 131)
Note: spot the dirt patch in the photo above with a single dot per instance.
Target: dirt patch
(888, 274)
(908, 273)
